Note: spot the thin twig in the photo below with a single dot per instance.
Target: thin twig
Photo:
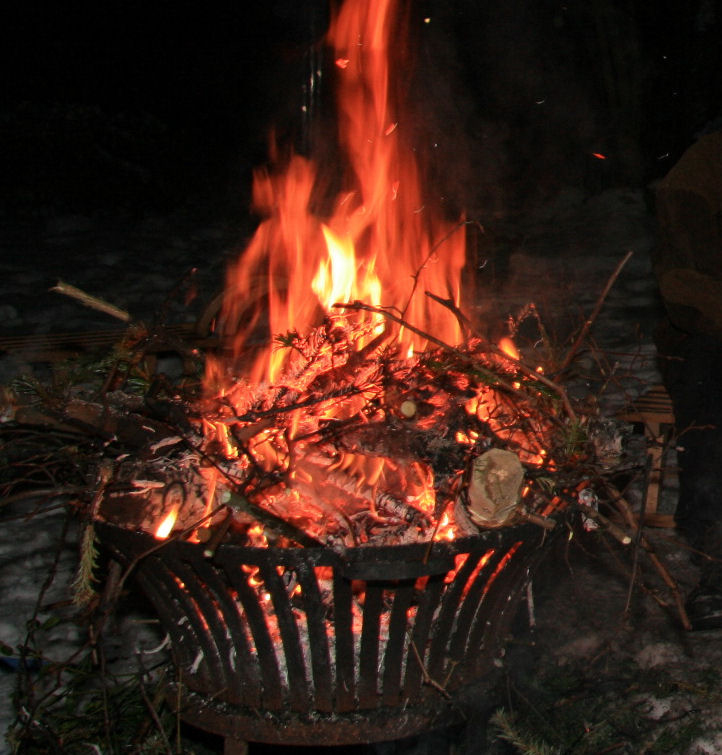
(461, 318)
(616, 532)
(427, 677)
(626, 511)
(417, 275)
(530, 372)
(111, 595)
(154, 715)
(33, 703)
(639, 524)
(357, 305)
(595, 312)
(91, 301)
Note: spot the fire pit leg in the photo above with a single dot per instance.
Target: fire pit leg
(232, 746)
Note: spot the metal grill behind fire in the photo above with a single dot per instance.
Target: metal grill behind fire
(299, 646)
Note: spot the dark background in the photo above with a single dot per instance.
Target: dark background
(154, 106)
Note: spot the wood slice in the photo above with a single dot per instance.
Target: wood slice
(493, 493)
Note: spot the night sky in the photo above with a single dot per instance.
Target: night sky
(158, 105)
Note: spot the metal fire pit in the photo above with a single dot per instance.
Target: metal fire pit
(316, 647)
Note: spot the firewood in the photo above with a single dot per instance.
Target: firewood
(493, 492)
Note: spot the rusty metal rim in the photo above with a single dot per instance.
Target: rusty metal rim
(381, 725)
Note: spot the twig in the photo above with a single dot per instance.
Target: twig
(107, 727)
(532, 373)
(91, 301)
(427, 677)
(461, 318)
(178, 720)
(595, 312)
(671, 583)
(240, 502)
(33, 703)
(217, 535)
(541, 521)
(50, 493)
(123, 578)
(356, 305)
(151, 704)
(432, 251)
(253, 414)
(638, 525)
(616, 532)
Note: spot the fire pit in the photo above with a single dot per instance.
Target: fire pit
(335, 530)
(348, 510)
(305, 645)
(344, 512)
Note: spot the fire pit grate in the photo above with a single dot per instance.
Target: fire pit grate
(301, 646)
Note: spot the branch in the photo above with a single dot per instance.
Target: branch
(461, 318)
(595, 312)
(671, 583)
(91, 301)
(457, 352)
(360, 306)
(431, 253)
(532, 373)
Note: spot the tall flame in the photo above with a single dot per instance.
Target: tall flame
(379, 243)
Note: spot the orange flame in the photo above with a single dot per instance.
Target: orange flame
(509, 348)
(166, 525)
(378, 242)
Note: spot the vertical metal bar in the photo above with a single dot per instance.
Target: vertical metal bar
(203, 660)
(449, 606)
(272, 692)
(394, 655)
(343, 626)
(369, 651)
(298, 691)
(184, 641)
(497, 609)
(245, 685)
(215, 642)
(473, 598)
(318, 627)
(416, 652)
